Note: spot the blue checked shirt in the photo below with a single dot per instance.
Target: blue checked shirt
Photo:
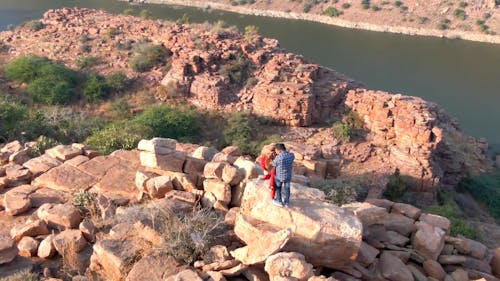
(284, 165)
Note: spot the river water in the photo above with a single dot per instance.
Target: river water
(462, 76)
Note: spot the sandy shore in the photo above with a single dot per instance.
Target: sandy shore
(452, 34)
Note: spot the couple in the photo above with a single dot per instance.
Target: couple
(278, 162)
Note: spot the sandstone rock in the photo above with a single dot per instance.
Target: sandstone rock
(460, 275)
(468, 247)
(417, 272)
(399, 223)
(429, 240)
(110, 258)
(60, 216)
(397, 239)
(4, 181)
(237, 192)
(225, 158)
(221, 190)
(288, 265)
(169, 162)
(367, 254)
(157, 187)
(332, 235)
(12, 147)
(434, 269)
(215, 276)
(437, 221)
(8, 250)
(47, 248)
(141, 178)
(368, 214)
(384, 203)
(393, 268)
(479, 265)
(251, 170)
(65, 178)
(220, 265)
(205, 153)
(338, 275)
(20, 157)
(155, 267)
(232, 175)
(213, 170)
(119, 180)
(78, 160)
(495, 262)
(255, 274)
(63, 152)
(259, 250)
(403, 255)
(158, 145)
(88, 230)
(321, 278)
(194, 166)
(16, 201)
(41, 164)
(69, 240)
(230, 217)
(32, 228)
(451, 259)
(46, 195)
(216, 253)
(27, 246)
(187, 275)
(17, 173)
(407, 210)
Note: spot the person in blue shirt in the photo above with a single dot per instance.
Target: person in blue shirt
(283, 165)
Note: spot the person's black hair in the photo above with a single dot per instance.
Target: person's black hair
(280, 146)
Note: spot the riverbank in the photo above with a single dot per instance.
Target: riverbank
(408, 30)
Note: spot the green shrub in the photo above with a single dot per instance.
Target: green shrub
(463, 4)
(340, 191)
(178, 123)
(342, 131)
(398, 3)
(346, 5)
(396, 186)
(95, 88)
(11, 113)
(251, 82)
(111, 32)
(423, 20)
(307, 7)
(376, 8)
(353, 119)
(148, 55)
(459, 13)
(26, 69)
(50, 90)
(486, 189)
(185, 19)
(332, 12)
(365, 4)
(449, 208)
(116, 81)
(128, 12)
(42, 143)
(250, 32)
(120, 108)
(34, 25)
(86, 62)
(118, 135)
(146, 14)
(239, 131)
(237, 70)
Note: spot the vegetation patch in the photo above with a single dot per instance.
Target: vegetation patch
(447, 207)
(332, 12)
(396, 186)
(341, 191)
(96, 88)
(237, 70)
(148, 55)
(486, 189)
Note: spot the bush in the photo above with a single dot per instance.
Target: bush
(396, 187)
(332, 12)
(459, 13)
(237, 70)
(23, 275)
(146, 14)
(486, 189)
(42, 143)
(34, 25)
(449, 208)
(463, 4)
(85, 202)
(185, 19)
(365, 4)
(148, 55)
(250, 32)
(120, 108)
(111, 32)
(342, 131)
(340, 191)
(128, 12)
(307, 8)
(116, 81)
(239, 131)
(118, 135)
(188, 236)
(95, 88)
(11, 113)
(86, 62)
(398, 3)
(423, 20)
(50, 90)
(346, 5)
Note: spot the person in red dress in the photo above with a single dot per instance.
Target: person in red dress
(265, 159)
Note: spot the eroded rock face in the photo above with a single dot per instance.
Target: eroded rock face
(325, 234)
(292, 265)
(8, 250)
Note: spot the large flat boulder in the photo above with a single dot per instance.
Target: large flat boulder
(63, 152)
(155, 267)
(429, 240)
(291, 265)
(60, 216)
(41, 164)
(8, 249)
(16, 201)
(32, 228)
(326, 234)
(120, 180)
(65, 178)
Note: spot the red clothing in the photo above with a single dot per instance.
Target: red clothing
(270, 176)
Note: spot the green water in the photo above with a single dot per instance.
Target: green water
(462, 76)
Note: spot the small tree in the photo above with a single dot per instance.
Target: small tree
(342, 131)
(396, 187)
(250, 32)
(95, 88)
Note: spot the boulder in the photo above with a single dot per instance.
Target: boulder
(495, 262)
(32, 228)
(434, 269)
(8, 249)
(232, 175)
(46, 195)
(158, 145)
(63, 152)
(88, 230)
(213, 170)
(66, 178)
(78, 160)
(60, 216)
(11, 147)
(258, 250)
(194, 166)
(399, 223)
(157, 187)
(169, 162)
(407, 210)
(397, 239)
(221, 190)
(205, 153)
(20, 157)
(69, 240)
(417, 272)
(384, 203)
(368, 213)
(452, 259)
(187, 275)
(327, 235)
(460, 275)
(16, 201)
(27, 247)
(17, 173)
(217, 253)
(288, 265)
(215, 276)
(250, 168)
(47, 248)
(367, 254)
(437, 221)
(155, 267)
(41, 164)
(393, 268)
(429, 240)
